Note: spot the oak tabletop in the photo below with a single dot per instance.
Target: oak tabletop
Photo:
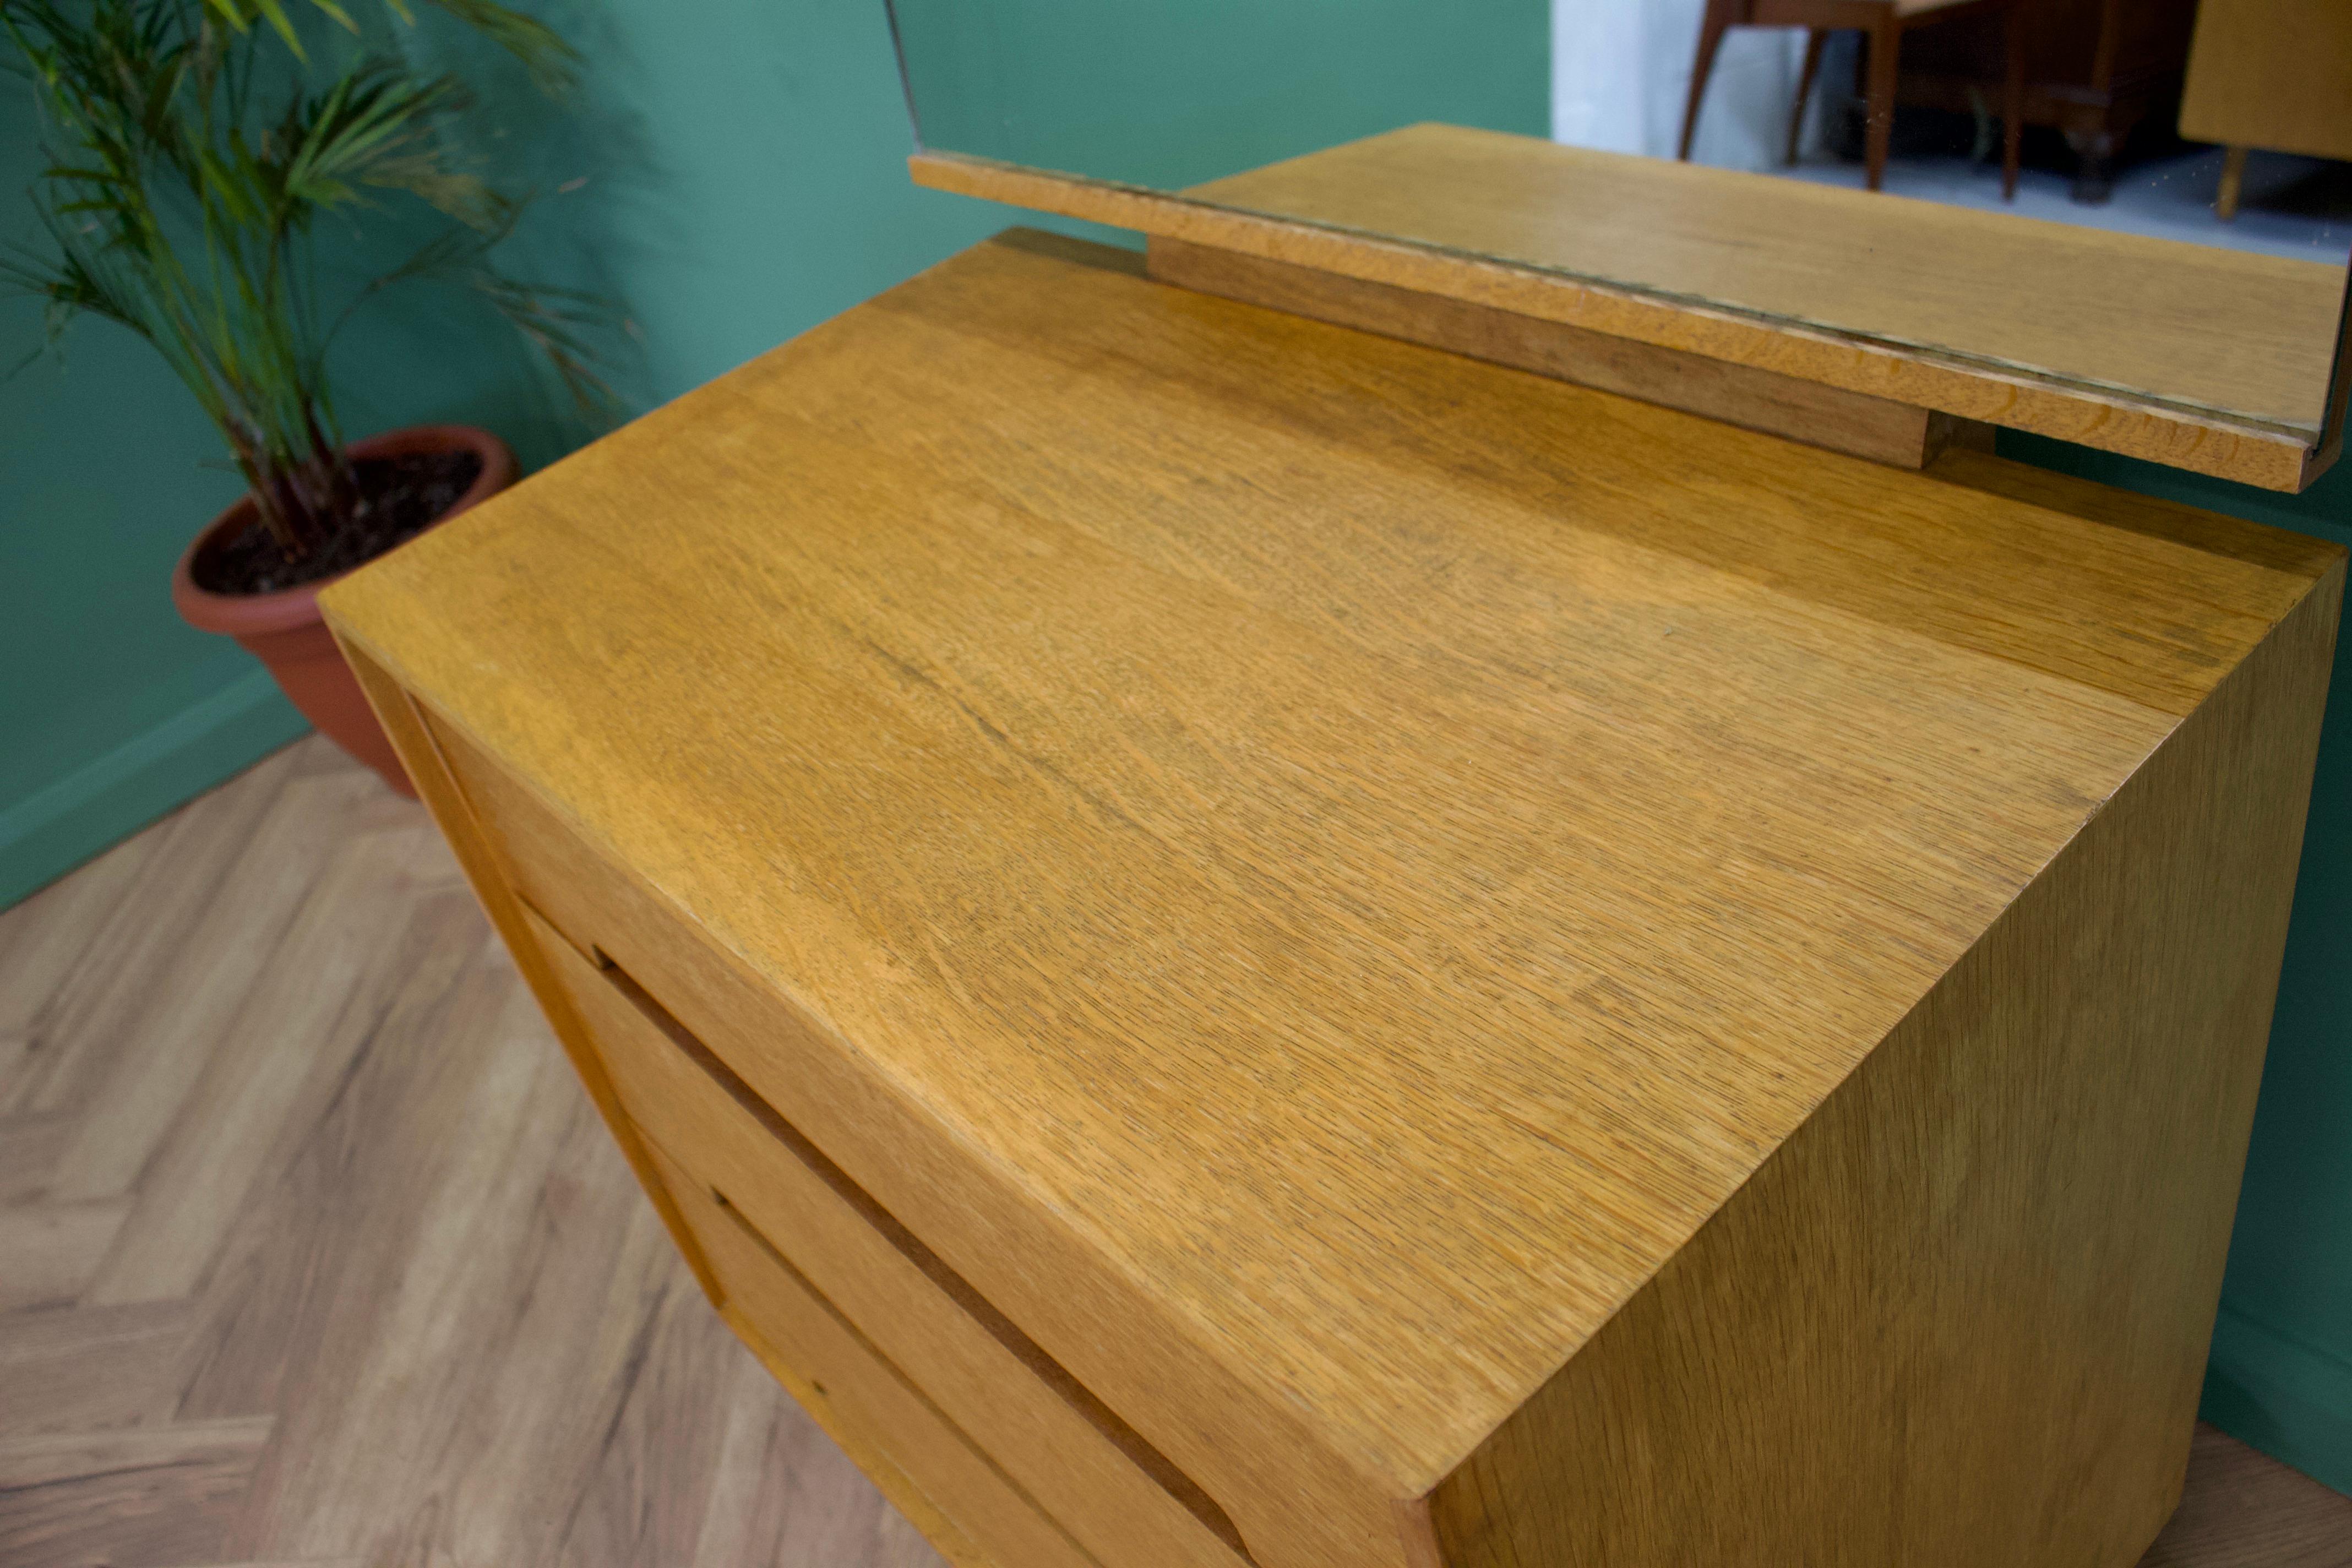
(1381, 845)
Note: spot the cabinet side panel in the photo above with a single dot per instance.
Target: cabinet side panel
(478, 857)
(1962, 1316)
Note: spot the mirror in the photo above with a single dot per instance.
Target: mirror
(2109, 220)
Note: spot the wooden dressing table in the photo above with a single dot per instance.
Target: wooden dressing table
(1230, 941)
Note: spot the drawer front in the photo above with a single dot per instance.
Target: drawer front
(1124, 1501)
(911, 1452)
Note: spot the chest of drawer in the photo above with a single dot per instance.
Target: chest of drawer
(1283, 950)
(970, 1509)
(1125, 1502)
(726, 1073)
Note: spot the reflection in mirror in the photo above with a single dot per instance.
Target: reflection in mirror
(2116, 222)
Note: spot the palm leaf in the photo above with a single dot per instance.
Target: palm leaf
(180, 204)
(377, 127)
(553, 62)
(566, 326)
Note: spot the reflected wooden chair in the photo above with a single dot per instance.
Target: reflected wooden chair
(1883, 23)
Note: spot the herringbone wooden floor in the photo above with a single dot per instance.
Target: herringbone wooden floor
(313, 1255)
(313, 1251)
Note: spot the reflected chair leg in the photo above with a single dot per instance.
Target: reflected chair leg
(1815, 39)
(2094, 166)
(1886, 54)
(2233, 180)
(2012, 99)
(1711, 30)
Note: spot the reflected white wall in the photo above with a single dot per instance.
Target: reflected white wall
(1621, 69)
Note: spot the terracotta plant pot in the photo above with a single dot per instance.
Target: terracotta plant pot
(283, 629)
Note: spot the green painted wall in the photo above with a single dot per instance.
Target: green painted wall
(1169, 93)
(744, 180)
(110, 709)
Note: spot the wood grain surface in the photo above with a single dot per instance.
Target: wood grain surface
(114, 1444)
(2203, 359)
(1307, 869)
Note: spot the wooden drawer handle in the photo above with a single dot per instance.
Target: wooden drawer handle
(1139, 1449)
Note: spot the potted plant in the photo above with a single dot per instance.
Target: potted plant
(193, 147)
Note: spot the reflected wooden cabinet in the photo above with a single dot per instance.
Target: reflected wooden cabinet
(1232, 943)
(2273, 74)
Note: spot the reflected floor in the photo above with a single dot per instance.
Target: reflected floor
(2291, 206)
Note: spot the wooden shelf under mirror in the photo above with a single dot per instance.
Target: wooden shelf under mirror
(2216, 360)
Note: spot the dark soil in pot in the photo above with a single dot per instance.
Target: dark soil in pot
(400, 497)
(232, 578)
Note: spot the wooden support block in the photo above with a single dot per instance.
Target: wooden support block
(1809, 411)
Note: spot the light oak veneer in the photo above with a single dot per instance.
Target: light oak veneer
(1480, 971)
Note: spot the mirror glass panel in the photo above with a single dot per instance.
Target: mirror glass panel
(2163, 222)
